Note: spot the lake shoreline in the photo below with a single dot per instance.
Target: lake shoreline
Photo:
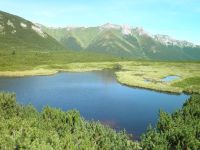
(25, 73)
(151, 89)
(49, 72)
(146, 75)
(41, 72)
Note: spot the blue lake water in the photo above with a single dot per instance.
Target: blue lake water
(97, 95)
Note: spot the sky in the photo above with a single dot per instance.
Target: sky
(177, 18)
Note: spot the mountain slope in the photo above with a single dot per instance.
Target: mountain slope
(111, 42)
(19, 34)
(71, 37)
(124, 41)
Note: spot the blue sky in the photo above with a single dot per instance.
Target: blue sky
(177, 18)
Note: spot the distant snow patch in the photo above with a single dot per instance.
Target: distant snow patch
(39, 31)
(23, 25)
(9, 23)
(167, 40)
(14, 31)
(141, 32)
(126, 30)
(110, 26)
(68, 28)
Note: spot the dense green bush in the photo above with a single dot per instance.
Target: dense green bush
(180, 130)
(22, 127)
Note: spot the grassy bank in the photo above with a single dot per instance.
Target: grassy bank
(150, 74)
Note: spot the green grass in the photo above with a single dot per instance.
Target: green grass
(184, 83)
(190, 85)
(27, 60)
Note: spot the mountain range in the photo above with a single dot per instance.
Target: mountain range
(110, 39)
(124, 41)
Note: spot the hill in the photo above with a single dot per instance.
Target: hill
(17, 34)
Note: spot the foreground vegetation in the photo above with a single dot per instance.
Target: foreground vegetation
(23, 127)
(179, 131)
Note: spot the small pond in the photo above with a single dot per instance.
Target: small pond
(170, 78)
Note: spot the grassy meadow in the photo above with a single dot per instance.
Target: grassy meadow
(150, 74)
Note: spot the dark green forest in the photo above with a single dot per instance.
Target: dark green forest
(23, 127)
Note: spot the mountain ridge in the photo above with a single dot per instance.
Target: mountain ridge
(124, 41)
(126, 30)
